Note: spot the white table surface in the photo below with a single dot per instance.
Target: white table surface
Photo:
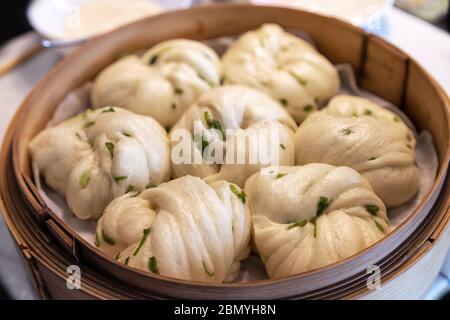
(429, 45)
(426, 43)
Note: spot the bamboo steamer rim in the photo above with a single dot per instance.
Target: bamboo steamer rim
(21, 115)
(22, 242)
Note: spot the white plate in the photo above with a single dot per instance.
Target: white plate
(359, 12)
(69, 19)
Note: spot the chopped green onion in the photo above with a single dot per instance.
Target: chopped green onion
(314, 222)
(97, 240)
(308, 108)
(110, 146)
(213, 124)
(88, 124)
(322, 205)
(120, 178)
(346, 132)
(108, 239)
(150, 185)
(210, 274)
(130, 188)
(153, 59)
(239, 194)
(281, 175)
(284, 102)
(201, 142)
(210, 83)
(153, 265)
(84, 116)
(79, 137)
(298, 224)
(111, 109)
(379, 226)
(145, 232)
(282, 146)
(84, 179)
(178, 91)
(300, 80)
(372, 209)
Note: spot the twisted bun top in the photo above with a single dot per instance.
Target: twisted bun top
(311, 216)
(184, 229)
(99, 155)
(239, 111)
(163, 83)
(284, 66)
(360, 134)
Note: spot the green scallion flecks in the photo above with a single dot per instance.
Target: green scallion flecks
(110, 146)
(108, 239)
(322, 205)
(84, 179)
(372, 209)
(209, 273)
(153, 265)
(299, 224)
(145, 232)
(239, 194)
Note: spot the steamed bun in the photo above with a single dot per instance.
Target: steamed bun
(284, 66)
(312, 216)
(184, 229)
(163, 83)
(360, 134)
(260, 134)
(99, 155)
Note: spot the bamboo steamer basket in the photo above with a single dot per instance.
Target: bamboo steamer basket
(409, 258)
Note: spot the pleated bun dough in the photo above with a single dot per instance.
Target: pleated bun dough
(284, 66)
(360, 134)
(243, 111)
(309, 217)
(99, 155)
(163, 83)
(184, 229)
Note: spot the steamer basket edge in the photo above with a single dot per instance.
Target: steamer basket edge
(364, 68)
(50, 279)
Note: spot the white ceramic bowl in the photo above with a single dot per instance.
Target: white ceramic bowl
(50, 18)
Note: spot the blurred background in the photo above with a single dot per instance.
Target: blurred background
(420, 27)
(13, 18)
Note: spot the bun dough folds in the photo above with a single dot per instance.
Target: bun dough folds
(99, 155)
(308, 217)
(184, 229)
(243, 111)
(358, 133)
(284, 66)
(163, 83)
